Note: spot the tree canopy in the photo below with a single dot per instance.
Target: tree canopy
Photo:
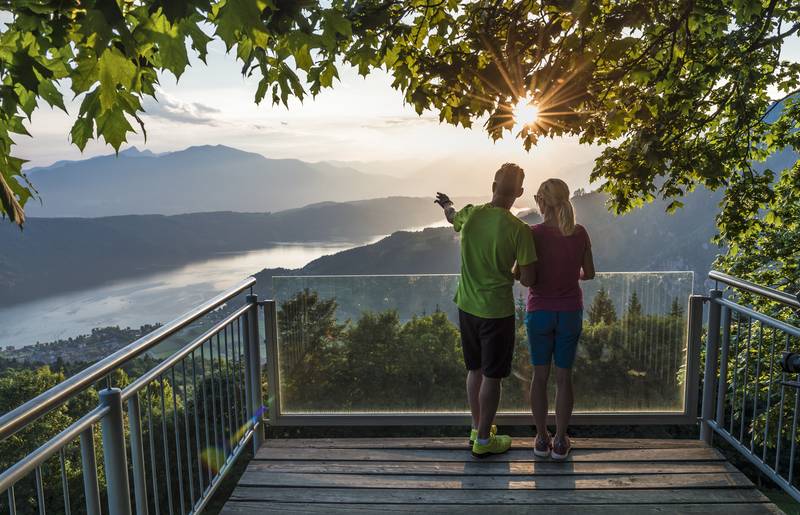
(680, 92)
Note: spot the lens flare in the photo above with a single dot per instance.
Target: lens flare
(526, 113)
(214, 457)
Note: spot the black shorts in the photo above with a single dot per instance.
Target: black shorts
(488, 343)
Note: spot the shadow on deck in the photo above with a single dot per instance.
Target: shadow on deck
(440, 475)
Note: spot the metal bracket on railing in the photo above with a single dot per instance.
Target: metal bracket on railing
(790, 364)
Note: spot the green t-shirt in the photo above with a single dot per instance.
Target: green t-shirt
(491, 240)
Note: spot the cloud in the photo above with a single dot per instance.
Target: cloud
(173, 109)
(397, 122)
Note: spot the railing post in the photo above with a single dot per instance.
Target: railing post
(694, 336)
(722, 389)
(91, 489)
(273, 369)
(114, 457)
(137, 455)
(254, 372)
(710, 374)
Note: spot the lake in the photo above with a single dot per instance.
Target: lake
(155, 298)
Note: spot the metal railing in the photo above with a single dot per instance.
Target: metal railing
(167, 438)
(748, 399)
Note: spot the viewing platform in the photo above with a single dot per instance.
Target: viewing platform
(346, 352)
(603, 475)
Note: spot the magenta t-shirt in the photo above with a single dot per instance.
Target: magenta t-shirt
(558, 269)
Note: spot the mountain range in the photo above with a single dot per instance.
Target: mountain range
(646, 239)
(212, 178)
(197, 179)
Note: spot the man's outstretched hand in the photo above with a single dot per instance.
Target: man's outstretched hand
(447, 204)
(443, 200)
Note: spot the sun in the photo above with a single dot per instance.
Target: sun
(526, 113)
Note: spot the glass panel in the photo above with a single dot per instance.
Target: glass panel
(386, 344)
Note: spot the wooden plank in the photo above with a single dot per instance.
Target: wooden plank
(492, 468)
(490, 497)
(462, 443)
(257, 479)
(697, 454)
(257, 508)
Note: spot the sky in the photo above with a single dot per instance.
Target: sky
(359, 119)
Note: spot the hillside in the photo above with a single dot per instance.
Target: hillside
(54, 255)
(645, 240)
(197, 179)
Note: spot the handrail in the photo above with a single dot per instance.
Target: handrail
(26, 413)
(761, 317)
(37, 457)
(184, 351)
(751, 287)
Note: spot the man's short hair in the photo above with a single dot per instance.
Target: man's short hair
(510, 176)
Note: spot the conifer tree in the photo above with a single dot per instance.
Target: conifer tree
(634, 306)
(602, 309)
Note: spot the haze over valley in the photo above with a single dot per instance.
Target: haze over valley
(139, 238)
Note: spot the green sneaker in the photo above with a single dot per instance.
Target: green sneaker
(498, 444)
(473, 435)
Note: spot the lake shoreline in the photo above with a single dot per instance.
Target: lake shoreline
(157, 296)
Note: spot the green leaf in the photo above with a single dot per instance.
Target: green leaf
(114, 127)
(12, 194)
(16, 126)
(114, 70)
(51, 95)
(82, 131)
(261, 91)
(339, 23)
(241, 18)
(170, 42)
(302, 58)
(327, 75)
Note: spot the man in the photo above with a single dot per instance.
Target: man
(492, 240)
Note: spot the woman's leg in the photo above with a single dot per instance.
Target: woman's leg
(565, 400)
(568, 331)
(539, 398)
(540, 325)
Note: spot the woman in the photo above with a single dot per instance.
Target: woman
(555, 311)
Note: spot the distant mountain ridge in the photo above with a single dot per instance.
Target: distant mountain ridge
(205, 178)
(646, 239)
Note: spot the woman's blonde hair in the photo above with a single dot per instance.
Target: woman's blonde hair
(554, 194)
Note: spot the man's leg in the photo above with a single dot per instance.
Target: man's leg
(474, 381)
(497, 350)
(471, 345)
(539, 398)
(489, 399)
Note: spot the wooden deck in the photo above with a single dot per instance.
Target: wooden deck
(411, 475)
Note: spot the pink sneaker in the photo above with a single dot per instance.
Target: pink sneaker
(542, 446)
(561, 448)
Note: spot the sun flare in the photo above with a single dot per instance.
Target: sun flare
(526, 113)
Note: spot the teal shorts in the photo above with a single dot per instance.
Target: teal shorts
(553, 336)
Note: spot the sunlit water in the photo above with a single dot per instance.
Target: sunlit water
(155, 298)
